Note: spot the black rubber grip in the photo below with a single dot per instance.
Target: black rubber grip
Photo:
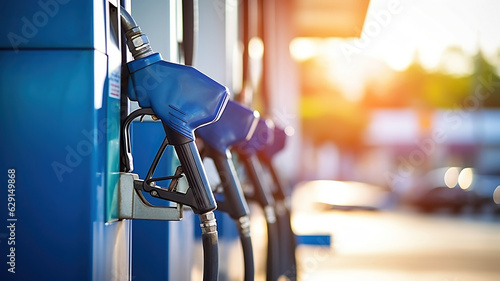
(262, 193)
(192, 166)
(234, 201)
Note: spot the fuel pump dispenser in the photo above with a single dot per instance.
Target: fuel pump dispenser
(262, 194)
(183, 99)
(288, 241)
(236, 124)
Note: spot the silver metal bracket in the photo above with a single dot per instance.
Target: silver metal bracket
(133, 205)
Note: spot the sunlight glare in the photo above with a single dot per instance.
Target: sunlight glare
(303, 49)
(256, 48)
(334, 193)
(455, 62)
(429, 56)
(399, 59)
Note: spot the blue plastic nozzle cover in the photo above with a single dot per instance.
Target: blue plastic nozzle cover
(236, 124)
(279, 139)
(181, 96)
(263, 136)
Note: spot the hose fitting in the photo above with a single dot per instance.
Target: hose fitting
(208, 223)
(270, 214)
(243, 225)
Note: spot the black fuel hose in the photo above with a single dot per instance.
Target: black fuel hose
(263, 196)
(246, 245)
(288, 241)
(273, 245)
(234, 204)
(210, 243)
(288, 244)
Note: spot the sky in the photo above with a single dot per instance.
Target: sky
(430, 26)
(395, 31)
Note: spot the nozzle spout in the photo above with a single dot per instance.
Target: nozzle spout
(137, 42)
(127, 20)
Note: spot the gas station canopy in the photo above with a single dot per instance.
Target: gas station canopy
(328, 18)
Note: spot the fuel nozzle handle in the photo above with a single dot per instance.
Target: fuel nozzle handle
(182, 98)
(266, 156)
(248, 150)
(287, 241)
(190, 160)
(236, 124)
(267, 153)
(234, 202)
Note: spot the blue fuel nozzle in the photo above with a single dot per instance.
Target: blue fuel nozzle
(266, 155)
(262, 191)
(247, 151)
(281, 194)
(184, 99)
(279, 140)
(236, 124)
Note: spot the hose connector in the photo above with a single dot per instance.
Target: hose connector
(243, 225)
(270, 214)
(137, 42)
(208, 223)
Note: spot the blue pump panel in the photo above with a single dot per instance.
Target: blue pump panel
(154, 242)
(150, 243)
(55, 126)
(52, 168)
(51, 24)
(60, 110)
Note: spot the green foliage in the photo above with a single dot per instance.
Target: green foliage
(418, 87)
(327, 116)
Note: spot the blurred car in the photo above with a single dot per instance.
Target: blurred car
(486, 189)
(321, 195)
(447, 188)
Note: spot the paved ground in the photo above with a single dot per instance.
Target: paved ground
(380, 246)
(400, 246)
